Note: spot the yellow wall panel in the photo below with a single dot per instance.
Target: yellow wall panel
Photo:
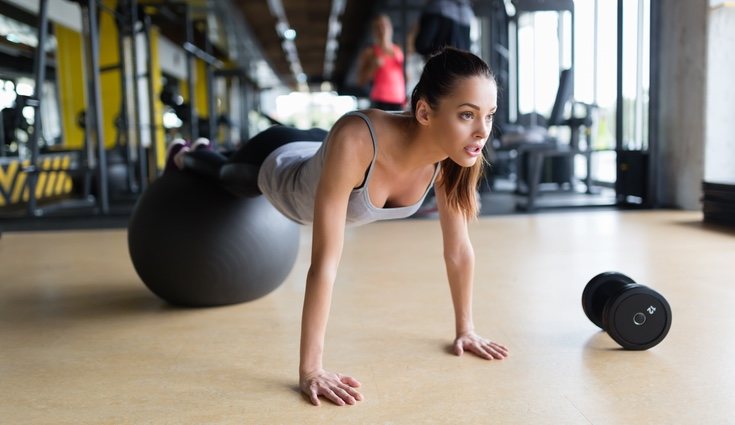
(70, 79)
(201, 89)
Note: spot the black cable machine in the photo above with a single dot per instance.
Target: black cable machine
(89, 162)
(93, 161)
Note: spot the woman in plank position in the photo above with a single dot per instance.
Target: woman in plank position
(374, 165)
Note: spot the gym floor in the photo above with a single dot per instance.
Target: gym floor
(84, 342)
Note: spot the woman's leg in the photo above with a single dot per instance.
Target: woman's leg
(255, 150)
(174, 152)
(204, 162)
(196, 157)
(240, 174)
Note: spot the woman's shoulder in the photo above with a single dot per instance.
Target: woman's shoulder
(364, 118)
(369, 51)
(362, 121)
(353, 124)
(397, 51)
(376, 116)
(351, 133)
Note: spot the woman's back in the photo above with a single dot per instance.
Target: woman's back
(290, 175)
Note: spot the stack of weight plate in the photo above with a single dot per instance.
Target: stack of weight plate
(718, 203)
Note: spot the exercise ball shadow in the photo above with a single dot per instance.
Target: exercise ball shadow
(194, 244)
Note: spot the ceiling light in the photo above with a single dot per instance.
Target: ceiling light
(334, 28)
(289, 34)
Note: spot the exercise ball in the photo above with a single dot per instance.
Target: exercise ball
(194, 244)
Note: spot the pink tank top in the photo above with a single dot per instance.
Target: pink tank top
(388, 83)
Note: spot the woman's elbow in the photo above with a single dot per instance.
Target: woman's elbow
(321, 273)
(459, 255)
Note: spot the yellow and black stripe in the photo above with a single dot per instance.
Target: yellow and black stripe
(53, 180)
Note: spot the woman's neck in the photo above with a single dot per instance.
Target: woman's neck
(386, 45)
(415, 145)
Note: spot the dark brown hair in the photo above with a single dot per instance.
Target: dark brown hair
(441, 74)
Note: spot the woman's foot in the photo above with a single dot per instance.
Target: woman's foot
(201, 143)
(175, 154)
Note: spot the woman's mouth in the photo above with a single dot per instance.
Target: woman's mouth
(473, 150)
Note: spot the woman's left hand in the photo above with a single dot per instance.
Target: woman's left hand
(480, 346)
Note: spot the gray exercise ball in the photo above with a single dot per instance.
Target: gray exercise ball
(194, 244)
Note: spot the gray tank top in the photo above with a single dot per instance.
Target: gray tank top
(290, 174)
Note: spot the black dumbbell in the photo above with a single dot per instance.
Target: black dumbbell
(635, 316)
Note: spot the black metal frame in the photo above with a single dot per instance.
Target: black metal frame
(39, 70)
(619, 104)
(211, 104)
(647, 159)
(124, 124)
(94, 157)
(190, 74)
(141, 153)
(544, 6)
(153, 170)
(90, 31)
(653, 200)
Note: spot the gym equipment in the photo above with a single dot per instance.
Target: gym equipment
(635, 316)
(718, 203)
(91, 162)
(194, 244)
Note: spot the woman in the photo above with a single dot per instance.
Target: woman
(382, 64)
(374, 165)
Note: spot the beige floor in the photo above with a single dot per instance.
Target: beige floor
(83, 342)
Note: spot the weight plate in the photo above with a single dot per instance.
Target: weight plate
(597, 292)
(638, 319)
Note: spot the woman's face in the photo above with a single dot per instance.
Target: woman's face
(382, 28)
(463, 119)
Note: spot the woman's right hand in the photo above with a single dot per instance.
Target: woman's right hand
(338, 388)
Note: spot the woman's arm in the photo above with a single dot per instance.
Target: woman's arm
(344, 166)
(368, 64)
(459, 257)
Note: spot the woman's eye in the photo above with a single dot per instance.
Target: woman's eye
(467, 115)
(490, 117)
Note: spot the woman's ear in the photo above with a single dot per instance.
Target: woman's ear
(423, 112)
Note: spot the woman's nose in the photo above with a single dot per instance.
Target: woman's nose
(483, 130)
